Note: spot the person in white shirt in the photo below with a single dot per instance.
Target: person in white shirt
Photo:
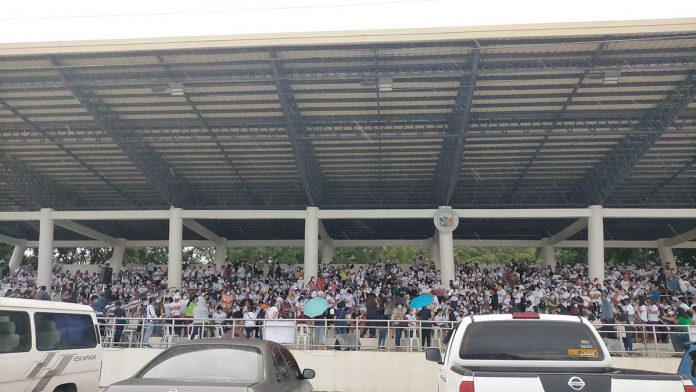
(249, 322)
(272, 313)
(200, 315)
(150, 319)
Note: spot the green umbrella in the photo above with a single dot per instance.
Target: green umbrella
(315, 307)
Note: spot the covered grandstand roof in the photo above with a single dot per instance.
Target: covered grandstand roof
(489, 123)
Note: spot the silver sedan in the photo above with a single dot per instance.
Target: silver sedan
(221, 366)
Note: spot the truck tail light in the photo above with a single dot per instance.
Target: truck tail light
(522, 315)
(468, 386)
(687, 388)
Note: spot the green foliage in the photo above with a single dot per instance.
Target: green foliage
(82, 255)
(288, 255)
(6, 252)
(494, 255)
(146, 255)
(362, 255)
(686, 256)
(612, 256)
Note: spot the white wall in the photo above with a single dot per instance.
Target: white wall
(365, 371)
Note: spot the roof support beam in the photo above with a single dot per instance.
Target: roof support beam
(591, 64)
(323, 234)
(602, 179)
(308, 167)
(681, 238)
(449, 164)
(42, 191)
(568, 232)
(248, 195)
(6, 239)
(86, 231)
(74, 156)
(203, 231)
(174, 188)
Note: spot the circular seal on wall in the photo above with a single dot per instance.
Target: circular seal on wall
(446, 220)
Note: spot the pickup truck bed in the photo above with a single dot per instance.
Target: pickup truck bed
(539, 354)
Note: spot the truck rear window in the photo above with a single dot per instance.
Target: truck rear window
(530, 340)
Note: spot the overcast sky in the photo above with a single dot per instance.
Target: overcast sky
(51, 20)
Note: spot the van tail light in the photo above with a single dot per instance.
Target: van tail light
(523, 315)
(468, 386)
(687, 388)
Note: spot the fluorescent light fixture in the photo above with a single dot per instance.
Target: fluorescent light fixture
(382, 83)
(611, 76)
(176, 89)
(385, 84)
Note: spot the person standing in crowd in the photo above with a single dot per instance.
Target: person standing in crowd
(42, 295)
(150, 319)
(679, 336)
(398, 316)
(219, 317)
(249, 322)
(120, 321)
(425, 315)
(200, 316)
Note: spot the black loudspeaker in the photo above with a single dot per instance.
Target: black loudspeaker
(105, 275)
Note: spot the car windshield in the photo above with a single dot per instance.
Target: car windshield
(210, 363)
(530, 340)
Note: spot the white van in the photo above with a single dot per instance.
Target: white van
(48, 346)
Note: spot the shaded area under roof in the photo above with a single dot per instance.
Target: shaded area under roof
(493, 123)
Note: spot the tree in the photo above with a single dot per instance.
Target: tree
(6, 252)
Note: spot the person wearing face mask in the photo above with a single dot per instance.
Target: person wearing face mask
(226, 301)
(398, 317)
(410, 318)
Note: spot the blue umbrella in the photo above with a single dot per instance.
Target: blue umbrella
(315, 307)
(421, 301)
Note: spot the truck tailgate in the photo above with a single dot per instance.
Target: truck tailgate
(575, 382)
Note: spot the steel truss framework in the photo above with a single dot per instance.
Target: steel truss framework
(488, 123)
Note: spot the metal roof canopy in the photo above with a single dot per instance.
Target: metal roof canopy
(486, 123)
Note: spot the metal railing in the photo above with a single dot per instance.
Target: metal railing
(647, 340)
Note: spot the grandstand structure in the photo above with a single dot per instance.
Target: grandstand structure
(557, 135)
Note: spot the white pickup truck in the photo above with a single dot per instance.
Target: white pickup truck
(527, 352)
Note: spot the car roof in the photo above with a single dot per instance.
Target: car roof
(545, 317)
(258, 343)
(45, 305)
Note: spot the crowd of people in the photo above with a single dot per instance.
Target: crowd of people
(368, 295)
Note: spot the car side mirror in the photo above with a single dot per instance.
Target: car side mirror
(308, 374)
(433, 355)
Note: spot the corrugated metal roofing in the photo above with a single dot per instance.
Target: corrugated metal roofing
(541, 119)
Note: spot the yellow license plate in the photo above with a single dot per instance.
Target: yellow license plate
(583, 352)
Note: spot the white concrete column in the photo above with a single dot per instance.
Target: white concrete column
(435, 252)
(44, 273)
(666, 255)
(549, 253)
(326, 252)
(595, 243)
(311, 245)
(116, 261)
(17, 257)
(446, 249)
(220, 253)
(175, 248)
